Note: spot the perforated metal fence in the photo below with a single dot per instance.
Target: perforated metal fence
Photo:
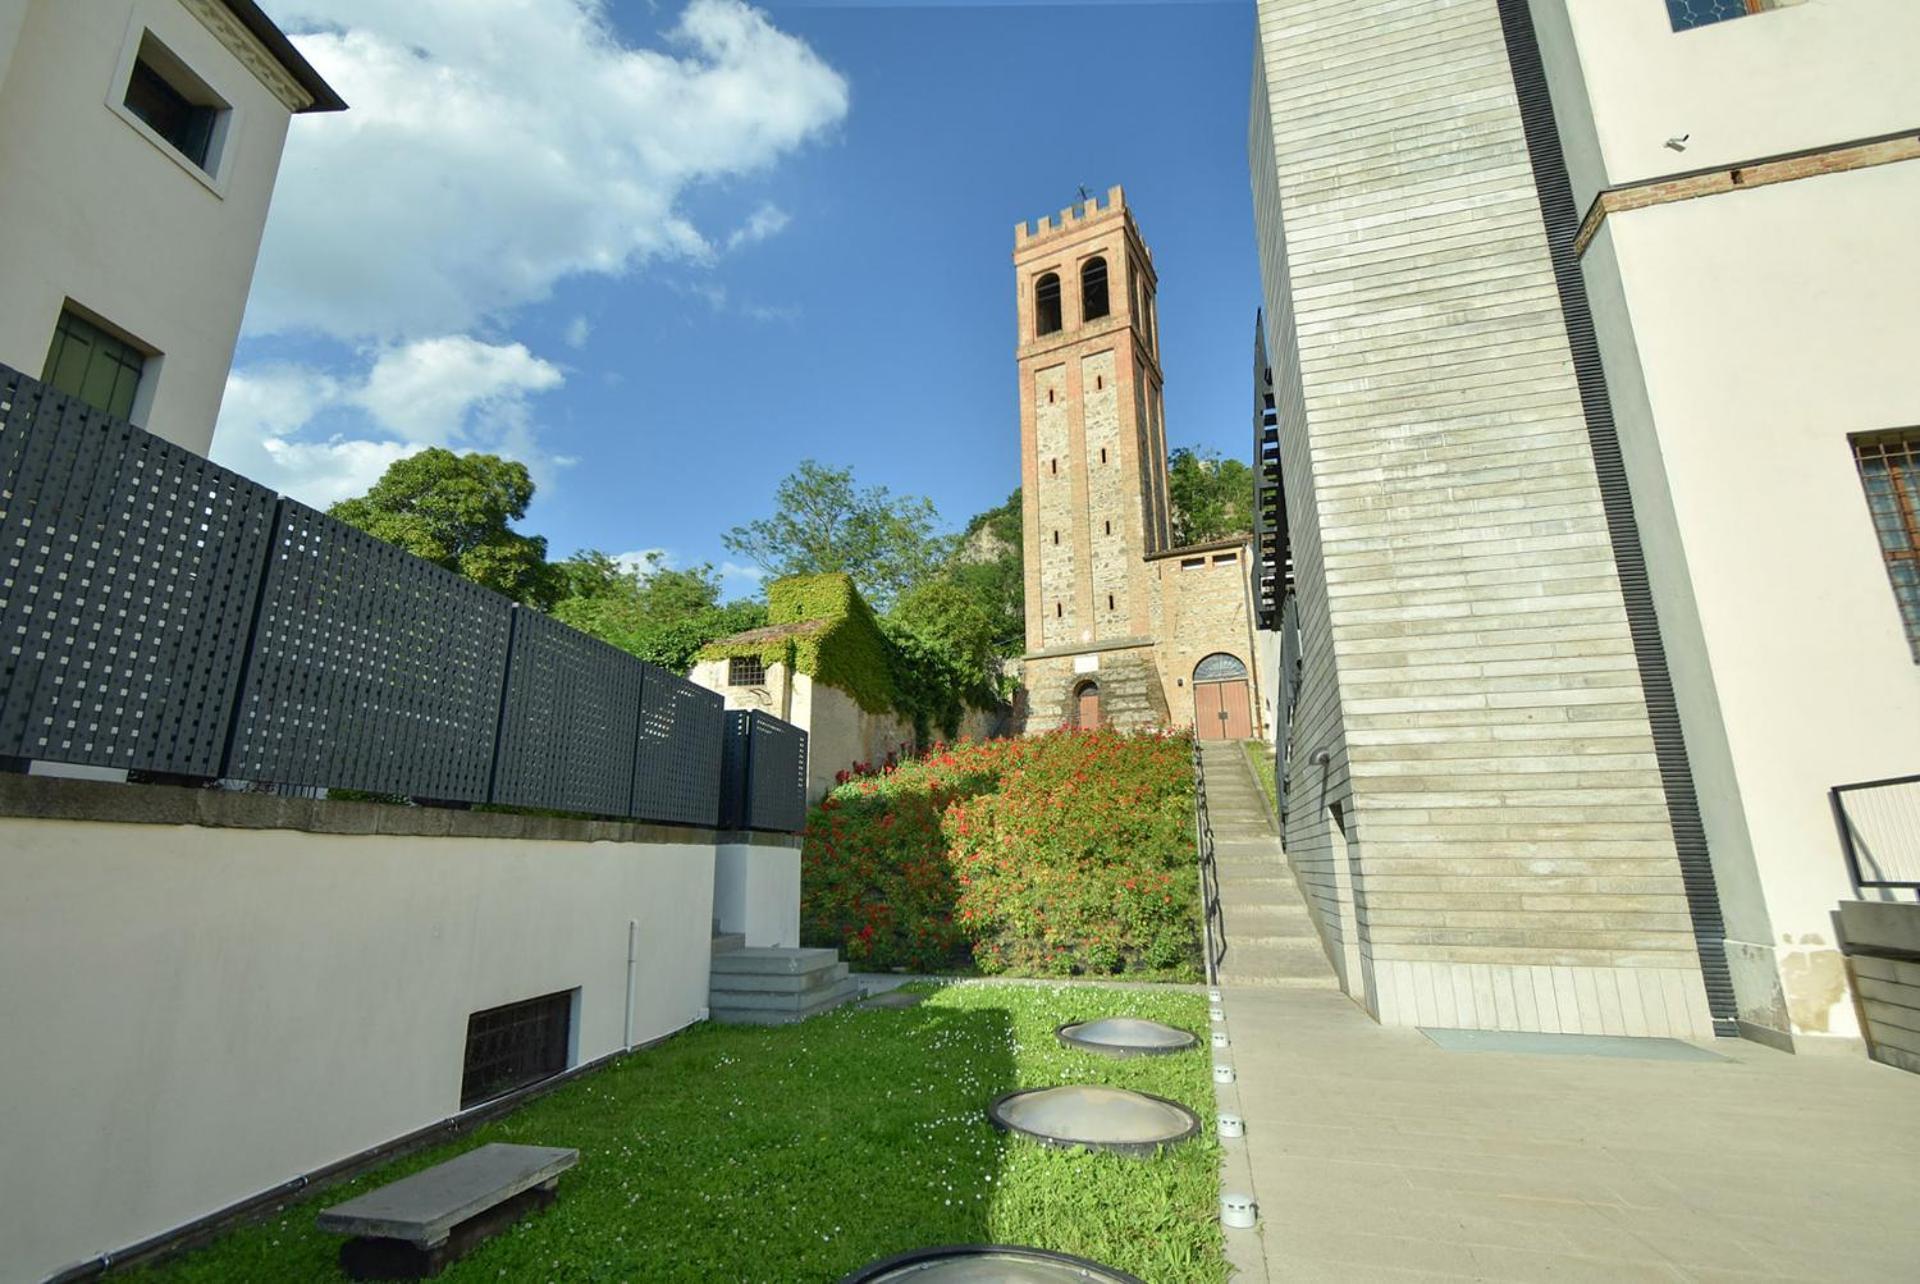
(764, 774)
(161, 613)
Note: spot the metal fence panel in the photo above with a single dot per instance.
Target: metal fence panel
(371, 668)
(570, 723)
(128, 578)
(676, 765)
(778, 778)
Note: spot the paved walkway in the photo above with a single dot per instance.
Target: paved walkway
(1375, 1154)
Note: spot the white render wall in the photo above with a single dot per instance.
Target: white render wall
(1510, 862)
(200, 1014)
(1785, 80)
(93, 210)
(1745, 336)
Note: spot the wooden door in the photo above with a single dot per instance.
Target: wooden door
(1238, 698)
(1207, 711)
(1089, 712)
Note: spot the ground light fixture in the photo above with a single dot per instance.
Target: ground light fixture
(1237, 1211)
(1125, 1037)
(1222, 1073)
(1232, 1126)
(988, 1264)
(1096, 1117)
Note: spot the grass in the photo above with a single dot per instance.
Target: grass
(802, 1153)
(1260, 756)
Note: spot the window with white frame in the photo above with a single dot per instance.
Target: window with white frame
(177, 106)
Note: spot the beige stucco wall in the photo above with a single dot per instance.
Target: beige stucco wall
(1745, 336)
(1805, 76)
(198, 1014)
(95, 210)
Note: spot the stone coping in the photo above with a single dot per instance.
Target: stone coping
(54, 798)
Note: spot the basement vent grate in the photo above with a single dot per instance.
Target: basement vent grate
(512, 1046)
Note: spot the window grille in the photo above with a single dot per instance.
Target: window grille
(1219, 667)
(512, 1046)
(1890, 471)
(746, 671)
(1687, 14)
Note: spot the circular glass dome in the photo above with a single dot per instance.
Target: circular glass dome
(1125, 1037)
(1100, 1118)
(988, 1264)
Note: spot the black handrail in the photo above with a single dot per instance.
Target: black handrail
(1214, 938)
(1850, 836)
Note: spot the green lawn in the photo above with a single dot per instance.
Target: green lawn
(799, 1154)
(1260, 758)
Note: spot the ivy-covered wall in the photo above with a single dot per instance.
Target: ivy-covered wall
(850, 653)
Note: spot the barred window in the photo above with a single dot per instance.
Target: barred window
(1890, 471)
(746, 671)
(1687, 14)
(512, 1046)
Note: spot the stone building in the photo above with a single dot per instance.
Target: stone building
(1122, 627)
(1589, 325)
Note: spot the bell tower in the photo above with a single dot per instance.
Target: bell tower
(1093, 452)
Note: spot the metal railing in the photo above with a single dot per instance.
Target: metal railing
(1879, 823)
(1213, 918)
(167, 616)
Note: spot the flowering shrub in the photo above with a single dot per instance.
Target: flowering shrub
(1070, 853)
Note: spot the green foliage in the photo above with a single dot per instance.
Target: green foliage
(453, 510)
(1064, 854)
(1211, 497)
(823, 524)
(662, 616)
(805, 1152)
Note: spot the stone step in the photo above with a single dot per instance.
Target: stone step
(1291, 961)
(777, 982)
(775, 961)
(734, 1012)
(727, 942)
(1249, 921)
(794, 1001)
(1328, 982)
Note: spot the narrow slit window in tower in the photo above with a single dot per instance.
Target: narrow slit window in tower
(1046, 304)
(1093, 290)
(1109, 601)
(1056, 537)
(1054, 465)
(1103, 454)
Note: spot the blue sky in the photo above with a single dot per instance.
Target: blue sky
(663, 252)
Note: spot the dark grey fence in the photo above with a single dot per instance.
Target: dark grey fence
(162, 614)
(765, 774)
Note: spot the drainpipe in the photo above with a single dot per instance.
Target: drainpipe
(633, 965)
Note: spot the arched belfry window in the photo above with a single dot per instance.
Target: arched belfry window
(1093, 290)
(1046, 304)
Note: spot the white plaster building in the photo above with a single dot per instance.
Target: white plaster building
(139, 143)
(1592, 325)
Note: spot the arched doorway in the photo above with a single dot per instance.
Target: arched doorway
(1222, 701)
(1086, 706)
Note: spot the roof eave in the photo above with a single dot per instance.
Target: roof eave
(263, 29)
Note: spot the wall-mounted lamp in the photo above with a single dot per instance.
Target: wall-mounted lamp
(1319, 758)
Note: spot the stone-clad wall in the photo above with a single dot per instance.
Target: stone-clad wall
(1054, 491)
(1204, 598)
(1511, 860)
(1312, 787)
(1113, 553)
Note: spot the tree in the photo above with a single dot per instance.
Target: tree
(1211, 497)
(822, 523)
(453, 510)
(662, 616)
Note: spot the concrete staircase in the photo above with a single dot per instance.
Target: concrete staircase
(766, 986)
(1270, 936)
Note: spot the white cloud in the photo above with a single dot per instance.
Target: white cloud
(495, 147)
(737, 579)
(645, 561)
(579, 330)
(768, 220)
(451, 391)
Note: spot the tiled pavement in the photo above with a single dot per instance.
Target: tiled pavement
(1376, 1155)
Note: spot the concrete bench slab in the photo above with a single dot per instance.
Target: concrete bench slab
(413, 1227)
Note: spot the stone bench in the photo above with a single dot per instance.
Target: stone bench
(413, 1228)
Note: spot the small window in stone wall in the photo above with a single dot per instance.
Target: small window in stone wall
(512, 1046)
(746, 671)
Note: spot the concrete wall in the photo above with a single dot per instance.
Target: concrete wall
(94, 208)
(1883, 946)
(1506, 846)
(756, 892)
(199, 1012)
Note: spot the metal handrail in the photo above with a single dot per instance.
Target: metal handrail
(1903, 829)
(1211, 912)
